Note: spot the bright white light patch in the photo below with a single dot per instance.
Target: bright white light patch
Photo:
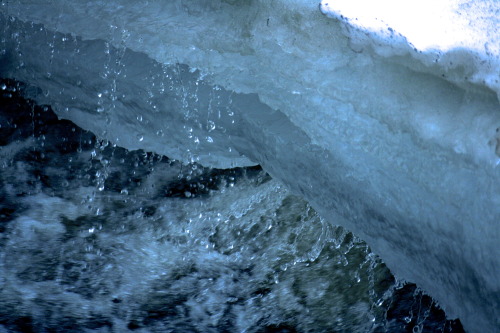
(427, 24)
(466, 31)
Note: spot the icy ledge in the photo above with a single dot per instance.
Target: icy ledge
(396, 143)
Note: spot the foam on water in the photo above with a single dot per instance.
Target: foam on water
(95, 238)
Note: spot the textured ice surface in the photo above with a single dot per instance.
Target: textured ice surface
(397, 143)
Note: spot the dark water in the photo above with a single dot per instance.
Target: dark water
(95, 238)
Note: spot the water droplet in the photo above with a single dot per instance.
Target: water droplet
(211, 125)
(140, 137)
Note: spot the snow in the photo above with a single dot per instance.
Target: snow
(452, 33)
(387, 129)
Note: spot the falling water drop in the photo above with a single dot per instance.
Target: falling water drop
(211, 126)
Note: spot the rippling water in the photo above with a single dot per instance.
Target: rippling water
(95, 238)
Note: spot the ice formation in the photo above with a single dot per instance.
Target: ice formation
(391, 138)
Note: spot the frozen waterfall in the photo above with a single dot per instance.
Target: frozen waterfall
(391, 134)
